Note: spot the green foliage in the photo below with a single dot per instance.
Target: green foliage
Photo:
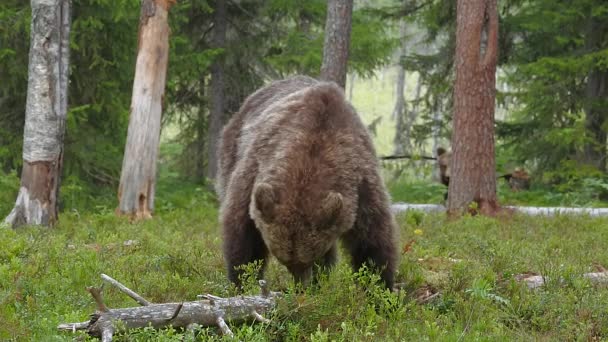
(103, 41)
(14, 50)
(548, 73)
(103, 46)
(416, 191)
(297, 46)
(9, 187)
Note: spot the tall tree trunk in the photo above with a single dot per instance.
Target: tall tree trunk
(596, 106)
(473, 162)
(216, 115)
(337, 41)
(137, 187)
(398, 111)
(201, 150)
(412, 116)
(45, 115)
(436, 109)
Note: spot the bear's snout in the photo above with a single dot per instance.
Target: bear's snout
(301, 273)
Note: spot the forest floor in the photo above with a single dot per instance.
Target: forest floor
(457, 278)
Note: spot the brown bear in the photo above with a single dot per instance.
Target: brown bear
(444, 158)
(297, 172)
(518, 180)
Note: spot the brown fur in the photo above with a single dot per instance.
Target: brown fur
(444, 159)
(298, 171)
(518, 180)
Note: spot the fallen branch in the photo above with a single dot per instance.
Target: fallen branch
(550, 211)
(408, 156)
(427, 208)
(532, 211)
(536, 281)
(210, 311)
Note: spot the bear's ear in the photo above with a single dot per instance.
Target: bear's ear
(440, 151)
(331, 206)
(265, 200)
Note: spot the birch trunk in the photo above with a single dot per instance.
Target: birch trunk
(337, 41)
(138, 177)
(473, 161)
(45, 115)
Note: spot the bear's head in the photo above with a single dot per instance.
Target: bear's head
(444, 160)
(298, 233)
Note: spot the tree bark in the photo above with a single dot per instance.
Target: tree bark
(337, 41)
(473, 162)
(596, 103)
(216, 115)
(138, 177)
(45, 115)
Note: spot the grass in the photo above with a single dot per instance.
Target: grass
(177, 255)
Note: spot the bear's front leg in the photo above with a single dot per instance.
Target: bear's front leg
(242, 241)
(243, 244)
(372, 240)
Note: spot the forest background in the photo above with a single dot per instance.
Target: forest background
(548, 116)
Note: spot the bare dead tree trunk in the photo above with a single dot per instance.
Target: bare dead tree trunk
(337, 41)
(473, 161)
(216, 115)
(45, 115)
(138, 177)
(596, 102)
(210, 311)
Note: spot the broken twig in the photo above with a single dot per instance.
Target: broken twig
(141, 300)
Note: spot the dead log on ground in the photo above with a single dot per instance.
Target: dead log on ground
(210, 311)
(535, 281)
(532, 211)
